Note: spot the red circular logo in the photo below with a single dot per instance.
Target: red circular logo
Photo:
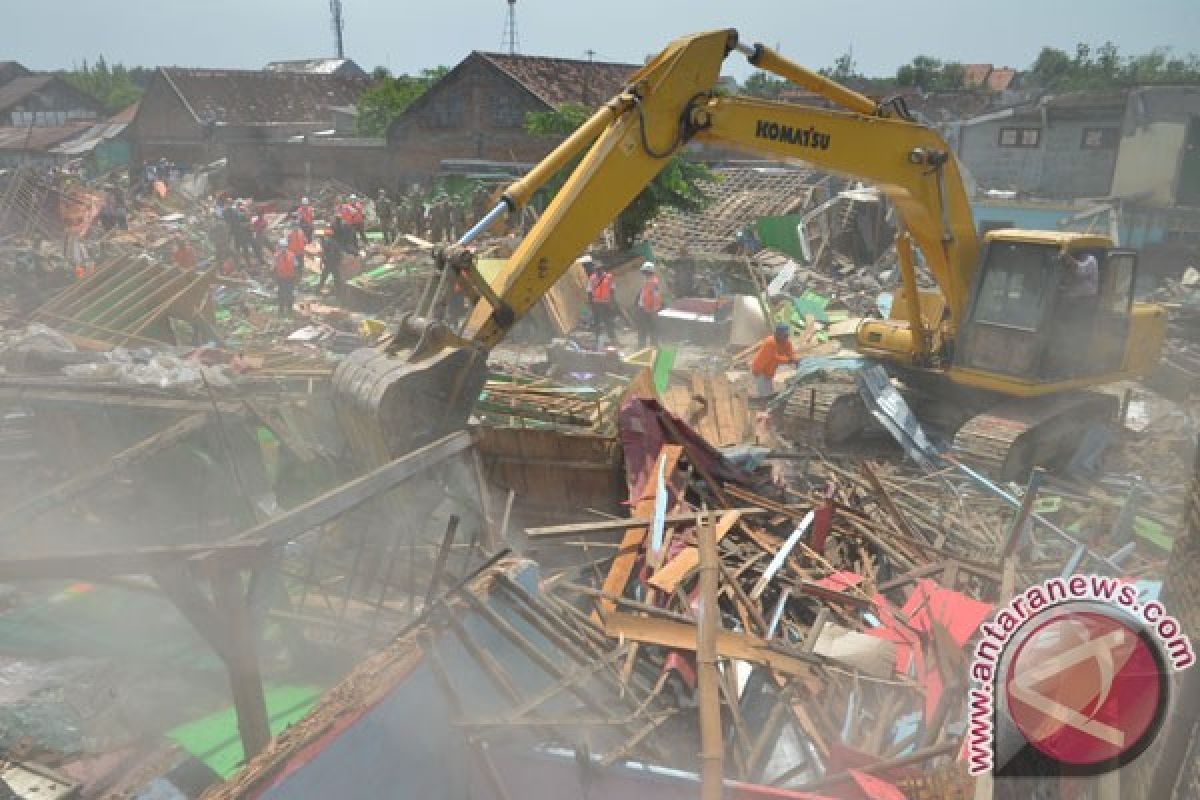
(1085, 688)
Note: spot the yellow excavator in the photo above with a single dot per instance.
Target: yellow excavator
(1006, 346)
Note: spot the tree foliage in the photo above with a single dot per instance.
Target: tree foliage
(676, 186)
(764, 85)
(931, 74)
(391, 96)
(115, 87)
(1103, 67)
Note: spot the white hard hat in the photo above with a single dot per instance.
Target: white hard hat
(283, 242)
(647, 266)
(304, 201)
(586, 259)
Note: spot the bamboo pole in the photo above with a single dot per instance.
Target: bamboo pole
(711, 740)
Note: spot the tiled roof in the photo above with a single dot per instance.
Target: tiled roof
(37, 139)
(254, 97)
(556, 81)
(10, 70)
(974, 75)
(18, 89)
(1000, 79)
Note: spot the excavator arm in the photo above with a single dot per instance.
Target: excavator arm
(390, 406)
(672, 101)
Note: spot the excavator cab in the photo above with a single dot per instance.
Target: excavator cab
(1034, 318)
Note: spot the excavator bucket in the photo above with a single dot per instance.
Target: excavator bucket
(388, 406)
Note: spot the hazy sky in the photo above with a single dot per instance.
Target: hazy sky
(407, 35)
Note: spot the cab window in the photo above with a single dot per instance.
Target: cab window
(1016, 282)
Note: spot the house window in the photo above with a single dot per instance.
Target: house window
(448, 112)
(1099, 138)
(1020, 137)
(506, 112)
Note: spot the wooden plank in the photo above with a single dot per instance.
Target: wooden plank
(679, 636)
(673, 572)
(631, 543)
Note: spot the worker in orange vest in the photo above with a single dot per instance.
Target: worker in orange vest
(304, 215)
(296, 242)
(773, 352)
(285, 277)
(600, 292)
(649, 303)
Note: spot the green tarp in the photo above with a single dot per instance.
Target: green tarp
(215, 741)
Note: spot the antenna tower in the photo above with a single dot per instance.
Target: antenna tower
(338, 23)
(510, 29)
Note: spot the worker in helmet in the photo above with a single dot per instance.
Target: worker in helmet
(305, 216)
(649, 303)
(600, 293)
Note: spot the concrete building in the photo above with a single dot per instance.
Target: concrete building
(1159, 159)
(1060, 147)
(44, 101)
(192, 116)
(478, 109)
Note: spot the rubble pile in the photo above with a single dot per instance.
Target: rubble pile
(630, 557)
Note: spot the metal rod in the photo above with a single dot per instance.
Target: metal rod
(442, 555)
(483, 224)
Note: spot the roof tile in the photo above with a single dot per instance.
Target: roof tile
(557, 81)
(253, 97)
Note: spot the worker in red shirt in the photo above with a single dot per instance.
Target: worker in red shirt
(305, 215)
(649, 303)
(773, 352)
(600, 292)
(285, 277)
(183, 255)
(296, 242)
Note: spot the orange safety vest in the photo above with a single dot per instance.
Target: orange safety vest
(770, 356)
(650, 298)
(602, 291)
(296, 241)
(305, 214)
(356, 212)
(285, 266)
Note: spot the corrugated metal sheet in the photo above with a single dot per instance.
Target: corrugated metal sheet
(38, 139)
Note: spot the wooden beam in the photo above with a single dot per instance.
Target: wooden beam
(245, 680)
(683, 637)
(622, 524)
(337, 501)
(138, 561)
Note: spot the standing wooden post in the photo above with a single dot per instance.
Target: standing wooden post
(711, 740)
(241, 660)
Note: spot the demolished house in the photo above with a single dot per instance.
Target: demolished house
(230, 567)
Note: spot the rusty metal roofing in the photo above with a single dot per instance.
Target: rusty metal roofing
(318, 66)
(557, 81)
(39, 139)
(256, 97)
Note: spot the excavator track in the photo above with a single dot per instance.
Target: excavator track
(1009, 439)
(824, 414)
